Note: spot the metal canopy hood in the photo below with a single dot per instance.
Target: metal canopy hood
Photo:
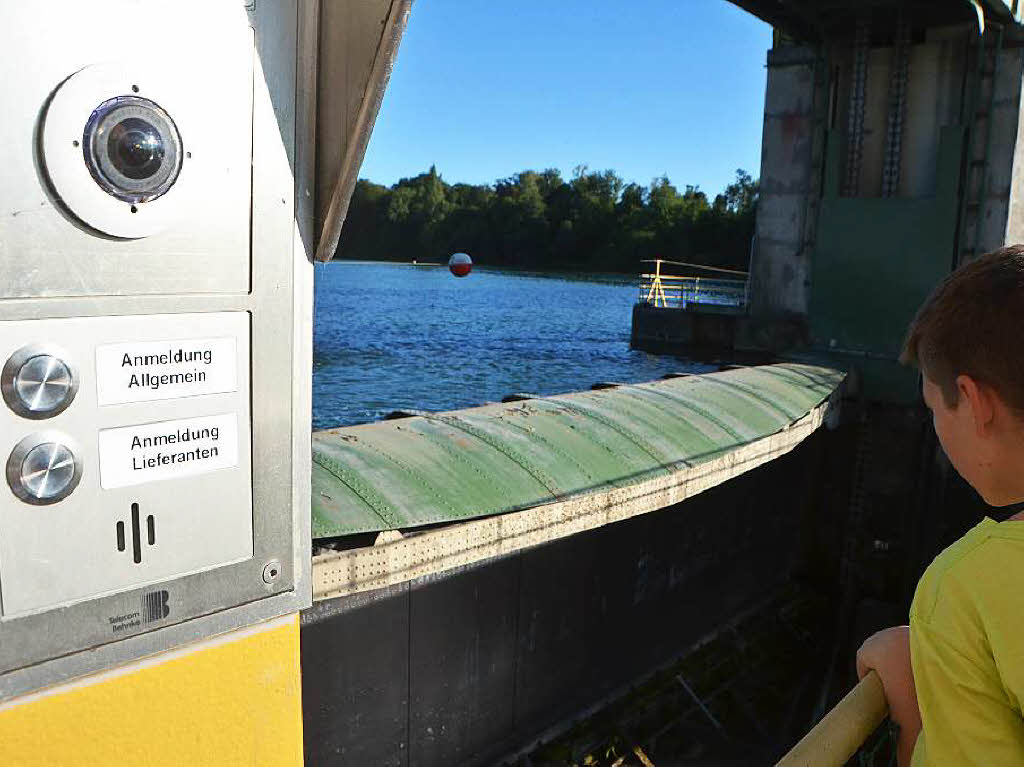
(359, 40)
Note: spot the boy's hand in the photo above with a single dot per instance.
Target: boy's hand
(887, 653)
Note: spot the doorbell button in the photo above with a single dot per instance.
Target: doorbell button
(38, 382)
(43, 468)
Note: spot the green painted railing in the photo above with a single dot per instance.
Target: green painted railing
(443, 467)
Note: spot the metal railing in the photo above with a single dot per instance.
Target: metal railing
(676, 291)
(844, 730)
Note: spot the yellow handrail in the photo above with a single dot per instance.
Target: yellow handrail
(702, 267)
(664, 277)
(657, 288)
(657, 291)
(843, 730)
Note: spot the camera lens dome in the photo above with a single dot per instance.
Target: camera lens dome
(136, 148)
(132, 148)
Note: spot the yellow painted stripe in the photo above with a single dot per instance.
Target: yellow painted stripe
(235, 700)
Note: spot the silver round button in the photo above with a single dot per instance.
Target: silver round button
(43, 468)
(37, 382)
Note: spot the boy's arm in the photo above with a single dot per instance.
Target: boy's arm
(887, 653)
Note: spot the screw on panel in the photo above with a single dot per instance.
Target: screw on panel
(271, 571)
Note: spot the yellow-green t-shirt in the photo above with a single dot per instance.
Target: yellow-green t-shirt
(967, 650)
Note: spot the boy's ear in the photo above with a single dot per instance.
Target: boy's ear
(980, 399)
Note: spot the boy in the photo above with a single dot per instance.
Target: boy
(954, 679)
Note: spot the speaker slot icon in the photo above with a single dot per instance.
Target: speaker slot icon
(136, 534)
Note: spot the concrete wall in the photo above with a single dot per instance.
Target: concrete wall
(678, 331)
(780, 268)
(1002, 214)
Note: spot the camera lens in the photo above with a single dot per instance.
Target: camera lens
(135, 148)
(132, 148)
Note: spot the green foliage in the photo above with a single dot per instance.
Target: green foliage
(593, 221)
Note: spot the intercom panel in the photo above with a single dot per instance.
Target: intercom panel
(155, 327)
(128, 447)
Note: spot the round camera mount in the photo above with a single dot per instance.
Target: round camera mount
(132, 149)
(114, 151)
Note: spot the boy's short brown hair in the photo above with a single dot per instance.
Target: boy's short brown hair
(973, 324)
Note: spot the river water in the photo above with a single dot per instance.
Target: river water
(400, 336)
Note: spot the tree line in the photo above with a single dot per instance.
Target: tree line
(593, 221)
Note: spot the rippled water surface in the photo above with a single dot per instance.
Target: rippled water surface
(390, 336)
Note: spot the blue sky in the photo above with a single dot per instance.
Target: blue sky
(486, 88)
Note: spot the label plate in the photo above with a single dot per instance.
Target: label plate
(143, 371)
(133, 455)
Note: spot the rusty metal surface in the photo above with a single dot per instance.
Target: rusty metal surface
(446, 467)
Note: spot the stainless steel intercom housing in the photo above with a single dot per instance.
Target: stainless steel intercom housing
(155, 327)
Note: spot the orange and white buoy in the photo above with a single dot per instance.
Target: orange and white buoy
(460, 264)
